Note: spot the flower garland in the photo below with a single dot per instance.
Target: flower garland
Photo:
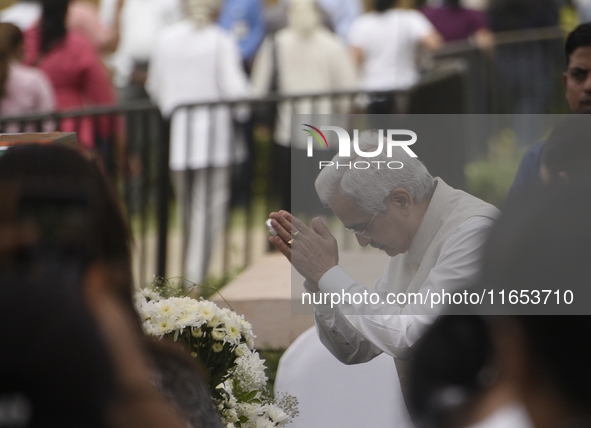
(223, 342)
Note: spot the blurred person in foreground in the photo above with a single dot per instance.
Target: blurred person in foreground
(566, 155)
(463, 383)
(62, 245)
(432, 233)
(577, 84)
(72, 197)
(545, 243)
(47, 303)
(85, 367)
(193, 61)
(384, 44)
(74, 69)
(23, 90)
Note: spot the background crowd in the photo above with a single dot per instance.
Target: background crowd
(105, 49)
(60, 55)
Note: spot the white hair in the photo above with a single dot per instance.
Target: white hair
(370, 187)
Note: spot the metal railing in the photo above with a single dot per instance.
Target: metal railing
(133, 145)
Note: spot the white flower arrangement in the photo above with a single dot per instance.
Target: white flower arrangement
(223, 342)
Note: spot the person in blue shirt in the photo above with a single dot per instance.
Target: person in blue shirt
(577, 84)
(342, 13)
(244, 19)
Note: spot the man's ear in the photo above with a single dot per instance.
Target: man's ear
(401, 197)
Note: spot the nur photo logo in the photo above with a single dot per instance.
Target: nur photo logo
(386, 139)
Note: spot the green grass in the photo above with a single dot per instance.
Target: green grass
(271, 357)
(490, 178)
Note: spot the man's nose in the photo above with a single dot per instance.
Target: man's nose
(363, 241)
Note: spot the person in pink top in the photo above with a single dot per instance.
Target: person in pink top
(83, 16)
(23, 90)
(74, 68)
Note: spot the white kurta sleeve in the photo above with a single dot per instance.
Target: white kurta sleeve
(357, 333)
(262, 68)
(335, 332)
(232, 78)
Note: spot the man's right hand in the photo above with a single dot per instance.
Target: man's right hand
(313, 251)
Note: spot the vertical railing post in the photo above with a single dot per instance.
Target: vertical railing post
(163, 195)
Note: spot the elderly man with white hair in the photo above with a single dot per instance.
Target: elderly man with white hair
(432, 232)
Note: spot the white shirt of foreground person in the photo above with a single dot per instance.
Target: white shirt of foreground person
(444, 254)
(389, 42)
(307, 58)
(191, 65)
(141, 23)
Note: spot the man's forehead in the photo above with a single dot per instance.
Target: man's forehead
(580, 58)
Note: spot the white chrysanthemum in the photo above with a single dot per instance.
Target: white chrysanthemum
(206, 310)
(150, 310)
(232, 332)
(140, 306)
(225, 314)
(139, 298)
(245, 326)
(192, 308)
(230, 415)
(241, 350)
(217, 334)
(228, 401)
(172, 315)
(262, 422)
(276, 414)
(166, 308)
(150, 329)
(163, 325)
(187, 318)
(250, 410)
(250, 372)
(217, 320)
(150, 294)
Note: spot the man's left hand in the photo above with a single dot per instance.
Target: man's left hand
(313, 250)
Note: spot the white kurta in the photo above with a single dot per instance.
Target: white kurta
(317, 63)
(141, 23)
(389, 42)
(444, 255)
(191, 65)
